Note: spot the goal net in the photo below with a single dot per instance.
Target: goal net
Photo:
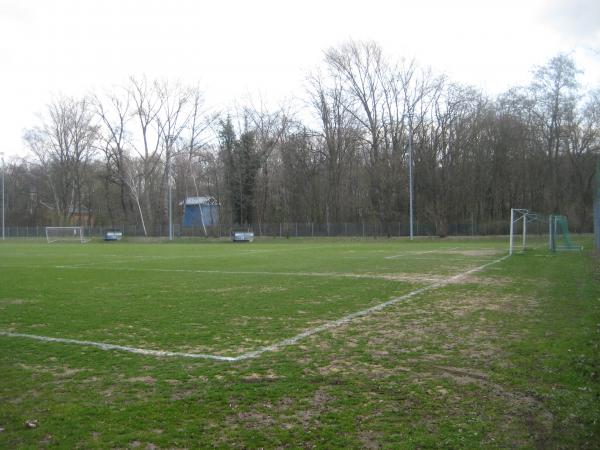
(560, 238)
(65, 234)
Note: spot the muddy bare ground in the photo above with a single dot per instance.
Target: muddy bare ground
(421, 344)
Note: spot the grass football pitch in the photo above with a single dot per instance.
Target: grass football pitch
(297, 343)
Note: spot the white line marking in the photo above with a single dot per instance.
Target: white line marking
(269, 348)
(402, 255)
(381, 276)
(245, 272)
(328, 325)
(105, 346)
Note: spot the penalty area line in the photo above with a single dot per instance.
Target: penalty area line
(365, 312)
(105, 346)
(269, 348)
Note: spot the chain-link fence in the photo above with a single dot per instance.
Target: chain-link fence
(284, 230)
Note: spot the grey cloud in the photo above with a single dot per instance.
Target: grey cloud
(577, 19)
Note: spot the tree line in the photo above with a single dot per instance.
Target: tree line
(343, 159)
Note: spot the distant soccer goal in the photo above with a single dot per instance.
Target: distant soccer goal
(65, 234)
(553, 230)
(521, 221)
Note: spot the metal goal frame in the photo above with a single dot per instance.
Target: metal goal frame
(70, 234)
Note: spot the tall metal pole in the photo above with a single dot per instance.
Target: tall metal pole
(524, 232)
(170, 209)
(512, 231)
(3, 235)
(170, 142)
(410, 175)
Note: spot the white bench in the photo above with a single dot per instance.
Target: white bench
(243, 236)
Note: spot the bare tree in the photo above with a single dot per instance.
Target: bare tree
(114, 111)
(554, 94)
(340, 136)
(474, 157)
(133, 170)
(146, 139)
(64, 144)
(268, 129)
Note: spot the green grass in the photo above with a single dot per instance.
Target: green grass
(506, 357)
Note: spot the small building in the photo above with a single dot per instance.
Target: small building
(200, 212)
(81, 216)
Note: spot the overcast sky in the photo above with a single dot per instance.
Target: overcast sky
(263, 49)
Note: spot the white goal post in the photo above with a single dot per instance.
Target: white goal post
(65, 234)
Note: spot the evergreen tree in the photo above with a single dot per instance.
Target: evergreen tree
(241, 165)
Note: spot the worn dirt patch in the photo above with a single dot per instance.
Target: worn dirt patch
(429, 278)
(371, 371)
(464, 376)
(270, 376)
(404, 277)
(521, 406)
(14, 301)
(479, 252)
(284, 404)
(224, 290)
(478, 279)
(322, 398)
(271, 289)
(144, 379)
(56, 371)
(68, 372)
(254, 420)
(183, 394)
(460, 305)
(370, 440)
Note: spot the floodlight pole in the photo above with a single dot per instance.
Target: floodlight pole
(170, 212)
(3, 170)
(169, 144)
(410, 175)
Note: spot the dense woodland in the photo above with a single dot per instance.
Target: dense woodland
(341, 158)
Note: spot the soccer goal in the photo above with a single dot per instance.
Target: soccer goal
(521, 221)
(553, 229)
(65, 234)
